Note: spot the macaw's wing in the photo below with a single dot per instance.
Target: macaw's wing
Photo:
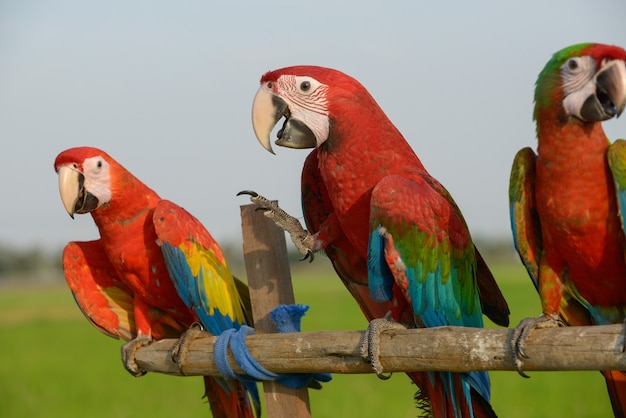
(526, 228)
(616, 380)
(617, 163)
(318, 215)
(244, 294)
(101, 296)
(493, 304)
(420, 250)
(522, 210)
(420, 244)
(197, 267)
(105, 300)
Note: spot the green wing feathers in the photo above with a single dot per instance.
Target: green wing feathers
(523, 213)
(434, 263)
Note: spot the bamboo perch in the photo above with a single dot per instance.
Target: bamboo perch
(456, 349)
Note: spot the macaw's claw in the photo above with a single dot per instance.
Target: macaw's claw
(249, 192)
(128, 354)
(370, 345)
(304, 242)
(521, 334)
(181, 347)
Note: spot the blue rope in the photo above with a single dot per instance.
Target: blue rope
(287, 318)
(220, 354)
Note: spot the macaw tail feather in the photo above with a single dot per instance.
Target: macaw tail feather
(434, 399)
(423, 404)
(616, 385)
(480, 406)
(228, 405)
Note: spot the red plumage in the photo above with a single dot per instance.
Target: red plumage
(566, 220)
(347, 182)
(121, 281)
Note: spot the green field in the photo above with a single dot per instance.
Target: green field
(53, 363)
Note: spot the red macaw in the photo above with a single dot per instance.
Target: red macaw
(121, 281)
(393, 233)
(567, 201)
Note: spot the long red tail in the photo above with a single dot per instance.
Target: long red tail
(616, 385)
(227, 405)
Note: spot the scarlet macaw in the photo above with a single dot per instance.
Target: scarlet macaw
(121, 281)
(566, 201)
(393, 233)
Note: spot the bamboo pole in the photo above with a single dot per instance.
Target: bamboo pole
(455, 349)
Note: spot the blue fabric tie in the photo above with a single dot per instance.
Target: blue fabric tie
(287, 318)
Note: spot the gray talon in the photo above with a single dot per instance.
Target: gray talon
(181, 347)
(302, 239)
(370, 344)
(521, 334)
(128, 355)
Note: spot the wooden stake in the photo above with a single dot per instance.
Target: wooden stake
(269, 280)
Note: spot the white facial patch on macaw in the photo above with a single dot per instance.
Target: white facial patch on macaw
(97, 178)
(307, 101)
(578, 82)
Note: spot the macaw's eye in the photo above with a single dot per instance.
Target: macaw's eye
(305, 85)
(270, 85)
(99, 163)
(572, 64)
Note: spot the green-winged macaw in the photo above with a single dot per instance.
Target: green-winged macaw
(126, 282)
(393, 233)
(567, 201)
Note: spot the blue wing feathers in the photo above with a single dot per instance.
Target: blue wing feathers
(380, 278)
(194, 296)
(183, 280)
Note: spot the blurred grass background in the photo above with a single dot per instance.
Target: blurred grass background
(53, 363)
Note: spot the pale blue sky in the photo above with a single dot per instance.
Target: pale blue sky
(166, 87)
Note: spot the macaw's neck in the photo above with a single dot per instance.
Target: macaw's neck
(570, 138)
(571, 157)
(131, 204)
(367, 143)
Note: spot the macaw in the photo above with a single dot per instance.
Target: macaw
(392, 232)
(154, 271)
(567, 201)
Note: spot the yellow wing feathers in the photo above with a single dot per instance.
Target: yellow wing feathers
(216, 284)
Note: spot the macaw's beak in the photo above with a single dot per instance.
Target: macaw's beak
(609, 99)
(73, 194)
(267, 110)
